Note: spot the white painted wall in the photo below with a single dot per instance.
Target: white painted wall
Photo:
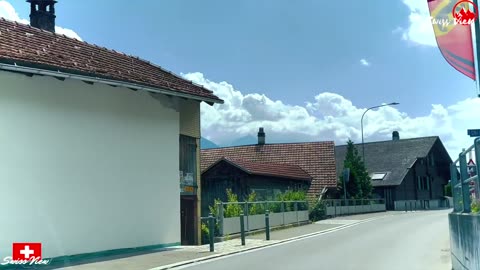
(85, 168)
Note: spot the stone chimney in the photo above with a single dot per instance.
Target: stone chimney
(395, 136)
(42, 14)
(261, 136)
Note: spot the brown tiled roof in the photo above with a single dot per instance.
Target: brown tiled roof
(315, 158)
(280, 170)
(31, 47)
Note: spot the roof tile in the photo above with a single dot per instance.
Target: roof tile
(58, 52)
(315, 158)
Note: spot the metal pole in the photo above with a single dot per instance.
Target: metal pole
(406, 209)
(267, 225)
(211, 231)
(296, 210)
(477, 43)
(363, 145)
(411, 209)
(220, 218)
(361, 122)
(465, 186)
(476, 142)
(453, 183)
(242, 228)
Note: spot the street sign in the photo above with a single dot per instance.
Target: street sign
(474, 132)
(472, 168)
(346, 178)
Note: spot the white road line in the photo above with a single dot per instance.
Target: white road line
(190, 263)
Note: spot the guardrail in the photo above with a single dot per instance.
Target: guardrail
(348, 207)
(465, 188)
(464, 222)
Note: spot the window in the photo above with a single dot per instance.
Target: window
(423, 182)
(188, 160)
(378, 176)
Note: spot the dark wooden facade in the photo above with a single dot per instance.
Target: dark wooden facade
(223, 175)
(425, 180)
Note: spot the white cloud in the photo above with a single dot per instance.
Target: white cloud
(328, 116)
(364, 62)
(419, 30)
(8, 12)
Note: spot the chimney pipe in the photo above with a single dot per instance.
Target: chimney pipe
(261, 136)
(42, 14)
(395, 136)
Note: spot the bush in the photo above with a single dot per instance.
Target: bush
(291, 195)
(253, 208)
(205, 234)
(233, 209)
(448, 190)
(318, 212)
(475, 206)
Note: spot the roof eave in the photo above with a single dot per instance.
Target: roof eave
(65, 75)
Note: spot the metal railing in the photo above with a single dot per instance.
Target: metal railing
(258, 208)
(465, 188)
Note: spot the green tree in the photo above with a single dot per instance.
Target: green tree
(359, 185)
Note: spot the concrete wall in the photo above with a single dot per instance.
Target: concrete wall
(86, 168)
(256, 222)
(465, 241)
(354, 209)
(422, 205)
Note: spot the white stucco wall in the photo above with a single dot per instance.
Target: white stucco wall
(85, 168)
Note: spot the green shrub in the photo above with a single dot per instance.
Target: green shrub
(233, 209)
(448, 190)
(318, 212)
(475, 206)
(205, 234)
(214, 208)
(291, 195)
(253, 208)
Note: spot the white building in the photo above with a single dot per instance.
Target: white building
(90, 145)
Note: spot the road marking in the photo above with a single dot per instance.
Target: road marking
(338, 221)
(216, 257)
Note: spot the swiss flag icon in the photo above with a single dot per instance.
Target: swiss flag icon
(27, 251)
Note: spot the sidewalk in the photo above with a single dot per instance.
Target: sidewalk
(170, 257)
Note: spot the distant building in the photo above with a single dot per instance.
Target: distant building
(405, 171)
(267, 169)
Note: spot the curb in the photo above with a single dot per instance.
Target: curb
(175, 265)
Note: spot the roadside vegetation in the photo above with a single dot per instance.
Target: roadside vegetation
(233, 207)
(358, 186)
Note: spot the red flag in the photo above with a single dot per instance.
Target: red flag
(454, 39)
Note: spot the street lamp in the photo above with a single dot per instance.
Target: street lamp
(374, 107)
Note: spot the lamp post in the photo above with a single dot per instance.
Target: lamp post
(374, 107)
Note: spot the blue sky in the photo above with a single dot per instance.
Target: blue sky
(291, 52)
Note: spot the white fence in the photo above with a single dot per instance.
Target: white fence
(348, 207)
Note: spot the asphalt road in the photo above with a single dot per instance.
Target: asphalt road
(408, 241)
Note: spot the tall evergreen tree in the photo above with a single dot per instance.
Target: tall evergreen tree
(359, 185)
